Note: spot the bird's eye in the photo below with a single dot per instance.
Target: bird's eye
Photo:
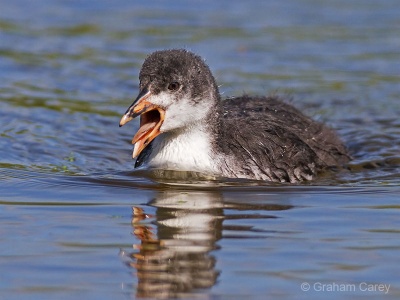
(174, 86)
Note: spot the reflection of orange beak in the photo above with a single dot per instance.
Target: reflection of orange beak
(151, 119)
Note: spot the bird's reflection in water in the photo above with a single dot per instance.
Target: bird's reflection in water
(174, 258)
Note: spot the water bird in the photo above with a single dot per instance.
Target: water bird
(186, 126)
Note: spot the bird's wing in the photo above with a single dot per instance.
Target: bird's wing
(276, 139)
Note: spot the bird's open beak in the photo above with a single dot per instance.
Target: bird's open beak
(151, 119)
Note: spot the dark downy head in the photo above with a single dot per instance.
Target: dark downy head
(177, 90)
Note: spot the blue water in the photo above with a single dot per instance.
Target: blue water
(68, 71)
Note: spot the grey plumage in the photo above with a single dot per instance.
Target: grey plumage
(276, 140)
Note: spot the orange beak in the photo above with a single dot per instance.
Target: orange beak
(151, 119)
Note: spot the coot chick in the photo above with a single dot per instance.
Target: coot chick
(185, 126)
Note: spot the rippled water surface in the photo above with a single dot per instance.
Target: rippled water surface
(78, 223)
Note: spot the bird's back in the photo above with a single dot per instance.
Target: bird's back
(272, 140)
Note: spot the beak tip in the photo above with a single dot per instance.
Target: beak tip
(136, 149)
(125, 119)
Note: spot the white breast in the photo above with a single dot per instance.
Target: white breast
(183, 151)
